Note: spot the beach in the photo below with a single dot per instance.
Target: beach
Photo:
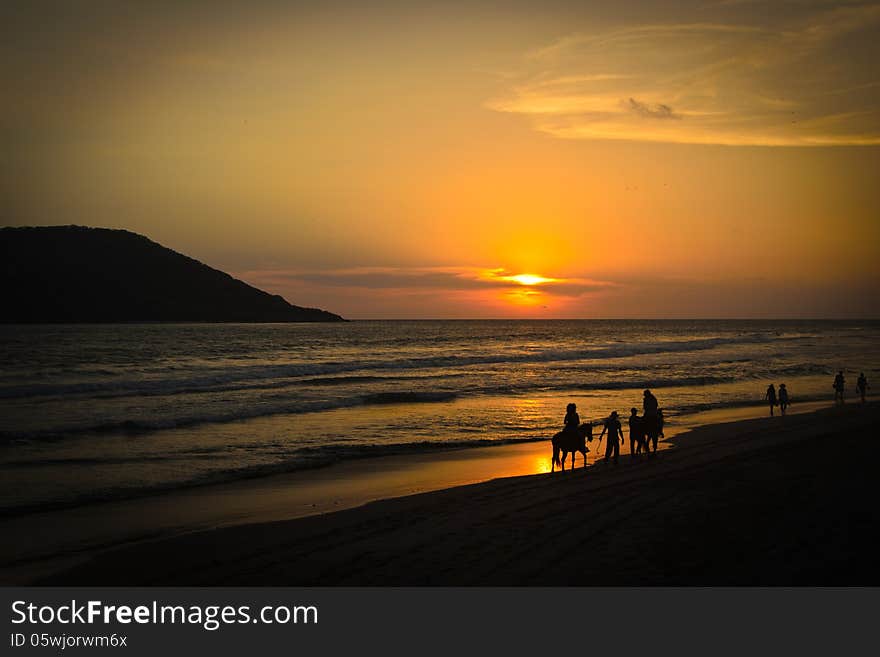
(762, 501)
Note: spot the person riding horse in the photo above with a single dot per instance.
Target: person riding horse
(572, 419)
(572, 439)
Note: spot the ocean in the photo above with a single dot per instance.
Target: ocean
(95, 412)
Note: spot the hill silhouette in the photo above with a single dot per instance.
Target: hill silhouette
(80, 274)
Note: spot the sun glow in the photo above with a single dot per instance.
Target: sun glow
(524, 296)
(520, 289)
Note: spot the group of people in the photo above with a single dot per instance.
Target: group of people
(839, 386)
(647, 429)
(781, 399)
(644, 430)
(641, 437)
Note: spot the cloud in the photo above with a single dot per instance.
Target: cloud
(473, 292)
(422, 279)
(802, 75)
(658, 111)
(378, 278)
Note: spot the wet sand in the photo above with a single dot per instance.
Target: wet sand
(43, 542)
(763, 501)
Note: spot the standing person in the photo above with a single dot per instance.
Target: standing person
(636, 433)
(839, 385)
(572, 419)
(770, 396)
(783, 398)
(615, 435)
(862, 385)
(650, 421)
(650, 404)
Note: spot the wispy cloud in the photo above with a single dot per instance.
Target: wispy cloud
(427, 279)
(476, 292)
(657, 111)
(806, 77)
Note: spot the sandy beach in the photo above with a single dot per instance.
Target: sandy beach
(756, 501)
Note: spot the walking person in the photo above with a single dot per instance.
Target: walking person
(839, 385)
(615, 436)
(783, 398)
(770, 396)
(862, 386)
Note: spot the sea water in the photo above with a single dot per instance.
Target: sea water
(91, 412)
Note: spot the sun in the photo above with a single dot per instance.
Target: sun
(528, 279)
(500, 275)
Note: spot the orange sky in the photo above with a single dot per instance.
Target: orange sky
(650, 159)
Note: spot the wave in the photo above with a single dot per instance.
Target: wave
(222, 412)
(407, 397)
(282, 375)
(293, 407)
(200, 385)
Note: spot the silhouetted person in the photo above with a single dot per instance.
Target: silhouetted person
(770, 396)
(636, 433)
(652, 430)
(615, 435)
(572, 419)
(660, 422)
(783, 398)
(839, 385)
(650, 404)
(862, 386)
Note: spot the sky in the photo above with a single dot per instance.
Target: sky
(466, 159)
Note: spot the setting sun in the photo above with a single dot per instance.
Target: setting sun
(529, 279)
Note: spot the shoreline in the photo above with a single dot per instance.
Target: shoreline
(81, 534)
(415, 451)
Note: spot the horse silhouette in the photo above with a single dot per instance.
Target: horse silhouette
(650, 428)
(571, 441)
